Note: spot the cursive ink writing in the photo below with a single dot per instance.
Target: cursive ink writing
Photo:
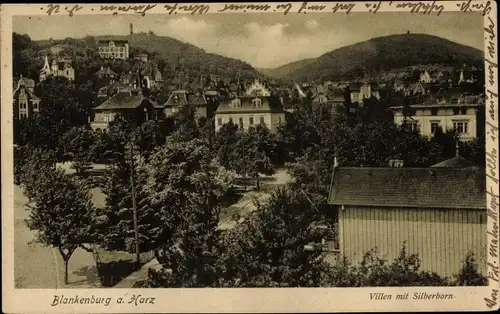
(189, 8)
(52, 8)
(492, 300)
(304, 8)
(71, 10)
(468, 6)
(287, 7)
(373, 7)
(347, 7)
(140, 9)
(245, 7)
(421, 7)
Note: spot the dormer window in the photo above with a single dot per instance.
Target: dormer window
(257, 103)
(236, 103)
(176, 98)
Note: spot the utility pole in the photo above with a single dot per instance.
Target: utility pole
(134, 205)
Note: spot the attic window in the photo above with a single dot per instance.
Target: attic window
(257, 103)
(236, 103)
(176, 98)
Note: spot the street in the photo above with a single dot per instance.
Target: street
(37, 266)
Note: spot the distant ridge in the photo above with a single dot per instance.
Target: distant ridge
(378, 55)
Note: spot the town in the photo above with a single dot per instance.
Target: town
(136, 167)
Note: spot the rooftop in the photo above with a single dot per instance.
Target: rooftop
(125, 100)
(439, 187)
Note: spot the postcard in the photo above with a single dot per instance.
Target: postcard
(260, 157)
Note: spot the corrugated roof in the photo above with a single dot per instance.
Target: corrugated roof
(409, 187)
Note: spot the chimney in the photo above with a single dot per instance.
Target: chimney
(395, 163)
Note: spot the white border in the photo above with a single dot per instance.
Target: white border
(226, 300)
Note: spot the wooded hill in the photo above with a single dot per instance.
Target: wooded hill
(378, 55)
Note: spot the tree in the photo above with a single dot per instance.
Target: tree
(252, 155)
(79, 145)
(269, 248)
(186, 189)
(34, 163)
(62, 215)
(224, 143)
(149, 137)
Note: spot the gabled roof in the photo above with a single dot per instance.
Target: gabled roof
(30, 94)
(409, 187)
(125, 100)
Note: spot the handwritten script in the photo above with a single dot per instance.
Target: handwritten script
(491, 106)
(416, 7)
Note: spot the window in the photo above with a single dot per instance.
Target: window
(434, 111)
(230, 120)
(35, 106)
(463, 111)
(256, 103)
(262, 120)
(241, 123)
(456, 111)
(23, 115)
(460, 126)
(279, 120)
(235, 103)
(250, 120)
(219, 121)
(434, 126)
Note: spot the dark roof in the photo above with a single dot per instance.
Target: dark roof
(29, 83)
(183, 97)
(455, 162)
(269, 104)
(125, 100)
(409, 187)
(105, 41)
(106, 71)
(355, 86)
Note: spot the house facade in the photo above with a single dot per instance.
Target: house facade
(26, 103)
(128, 105)
(460, 115)
(113, 49)
(60, 67)
(256, 106)
(438, 213)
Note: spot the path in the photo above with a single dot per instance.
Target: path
(38, 266)
(245, 204)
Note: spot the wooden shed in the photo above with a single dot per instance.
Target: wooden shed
(440, 213)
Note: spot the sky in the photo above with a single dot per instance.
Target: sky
(263, 40)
